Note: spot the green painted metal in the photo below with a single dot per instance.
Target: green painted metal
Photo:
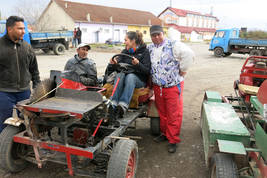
(257, 104)
(226, 146)
(220, 121)
(261, 140)
(213, 96)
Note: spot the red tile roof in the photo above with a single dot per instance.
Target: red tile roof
(183, 13)
(184, 29)
(101, 14)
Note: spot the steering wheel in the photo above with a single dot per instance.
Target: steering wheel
(123, 67)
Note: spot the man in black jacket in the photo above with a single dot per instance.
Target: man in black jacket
(81, 68)
(18, 67)
(79, 35)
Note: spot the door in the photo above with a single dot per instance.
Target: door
(117, 35)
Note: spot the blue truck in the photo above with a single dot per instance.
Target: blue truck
(56, 41)
(227, 41)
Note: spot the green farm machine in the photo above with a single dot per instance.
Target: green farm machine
(234, 129)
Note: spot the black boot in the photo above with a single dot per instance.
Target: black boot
(113, 116)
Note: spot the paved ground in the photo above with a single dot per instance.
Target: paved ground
(207, 73)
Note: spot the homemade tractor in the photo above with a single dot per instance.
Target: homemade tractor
(68, 124)
(234, 129)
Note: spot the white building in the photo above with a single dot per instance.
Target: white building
(193, 26)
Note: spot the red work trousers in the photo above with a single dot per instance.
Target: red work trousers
(169, 102)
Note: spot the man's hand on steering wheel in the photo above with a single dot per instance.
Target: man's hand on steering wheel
(135, 61)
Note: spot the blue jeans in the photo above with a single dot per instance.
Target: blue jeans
(125, 88)
(74, 42)
(7, 101)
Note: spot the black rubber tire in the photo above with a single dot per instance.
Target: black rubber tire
(124, 153)
(46, 50)
(9, 159)
(155, 125)
(218, 52)
(255, 52)
(59, 49)
(223, 166)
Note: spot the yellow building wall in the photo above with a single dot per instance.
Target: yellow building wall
(144, 30)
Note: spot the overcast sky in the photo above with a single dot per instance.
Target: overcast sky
(231, 13)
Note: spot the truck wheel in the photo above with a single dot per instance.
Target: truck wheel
(123, 160)
(46, 50)
(255, 52)
(10, 151)
(155, 125)
(218, 52)
(222, 166)
(59, 49)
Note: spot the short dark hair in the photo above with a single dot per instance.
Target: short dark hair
(10, 22)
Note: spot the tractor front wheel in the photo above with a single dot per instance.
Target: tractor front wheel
(123, 160)
(222, 166)
(10, 151)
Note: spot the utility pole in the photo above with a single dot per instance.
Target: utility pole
(170, 3)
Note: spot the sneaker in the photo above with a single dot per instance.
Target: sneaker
(121, 111)
(172, 147)
(160, 138)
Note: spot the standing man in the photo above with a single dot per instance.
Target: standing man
(82, 67)
(74, 39)
(169, 62)
(18, 67)
(79, 35)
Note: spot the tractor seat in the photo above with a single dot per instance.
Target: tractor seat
(247, 89)
(140, 95)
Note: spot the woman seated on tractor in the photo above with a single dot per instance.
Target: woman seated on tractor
(127, 80)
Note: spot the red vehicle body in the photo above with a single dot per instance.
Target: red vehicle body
(253, 73)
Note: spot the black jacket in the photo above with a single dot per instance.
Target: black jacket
(84, 70)
(18, 66)
(142, 70)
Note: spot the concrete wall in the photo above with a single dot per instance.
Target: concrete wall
(55, 18)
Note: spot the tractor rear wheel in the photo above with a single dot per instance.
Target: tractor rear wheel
(123, 160)
(222, 166)
(10, 151)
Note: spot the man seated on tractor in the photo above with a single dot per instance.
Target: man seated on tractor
(81, 68)
(127, 80)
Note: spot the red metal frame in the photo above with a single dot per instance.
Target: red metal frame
(68, 150)
(131, 165)
(50, 111)
(247, 74)
(246, 68)
(260, 163)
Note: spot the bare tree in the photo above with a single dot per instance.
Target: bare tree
(30, 10)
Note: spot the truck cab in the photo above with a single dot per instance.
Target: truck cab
(220, 41)
(26, 36)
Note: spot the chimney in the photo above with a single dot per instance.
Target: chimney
(66, 5)
(111, 19)
(149, 22)
(88, 17)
